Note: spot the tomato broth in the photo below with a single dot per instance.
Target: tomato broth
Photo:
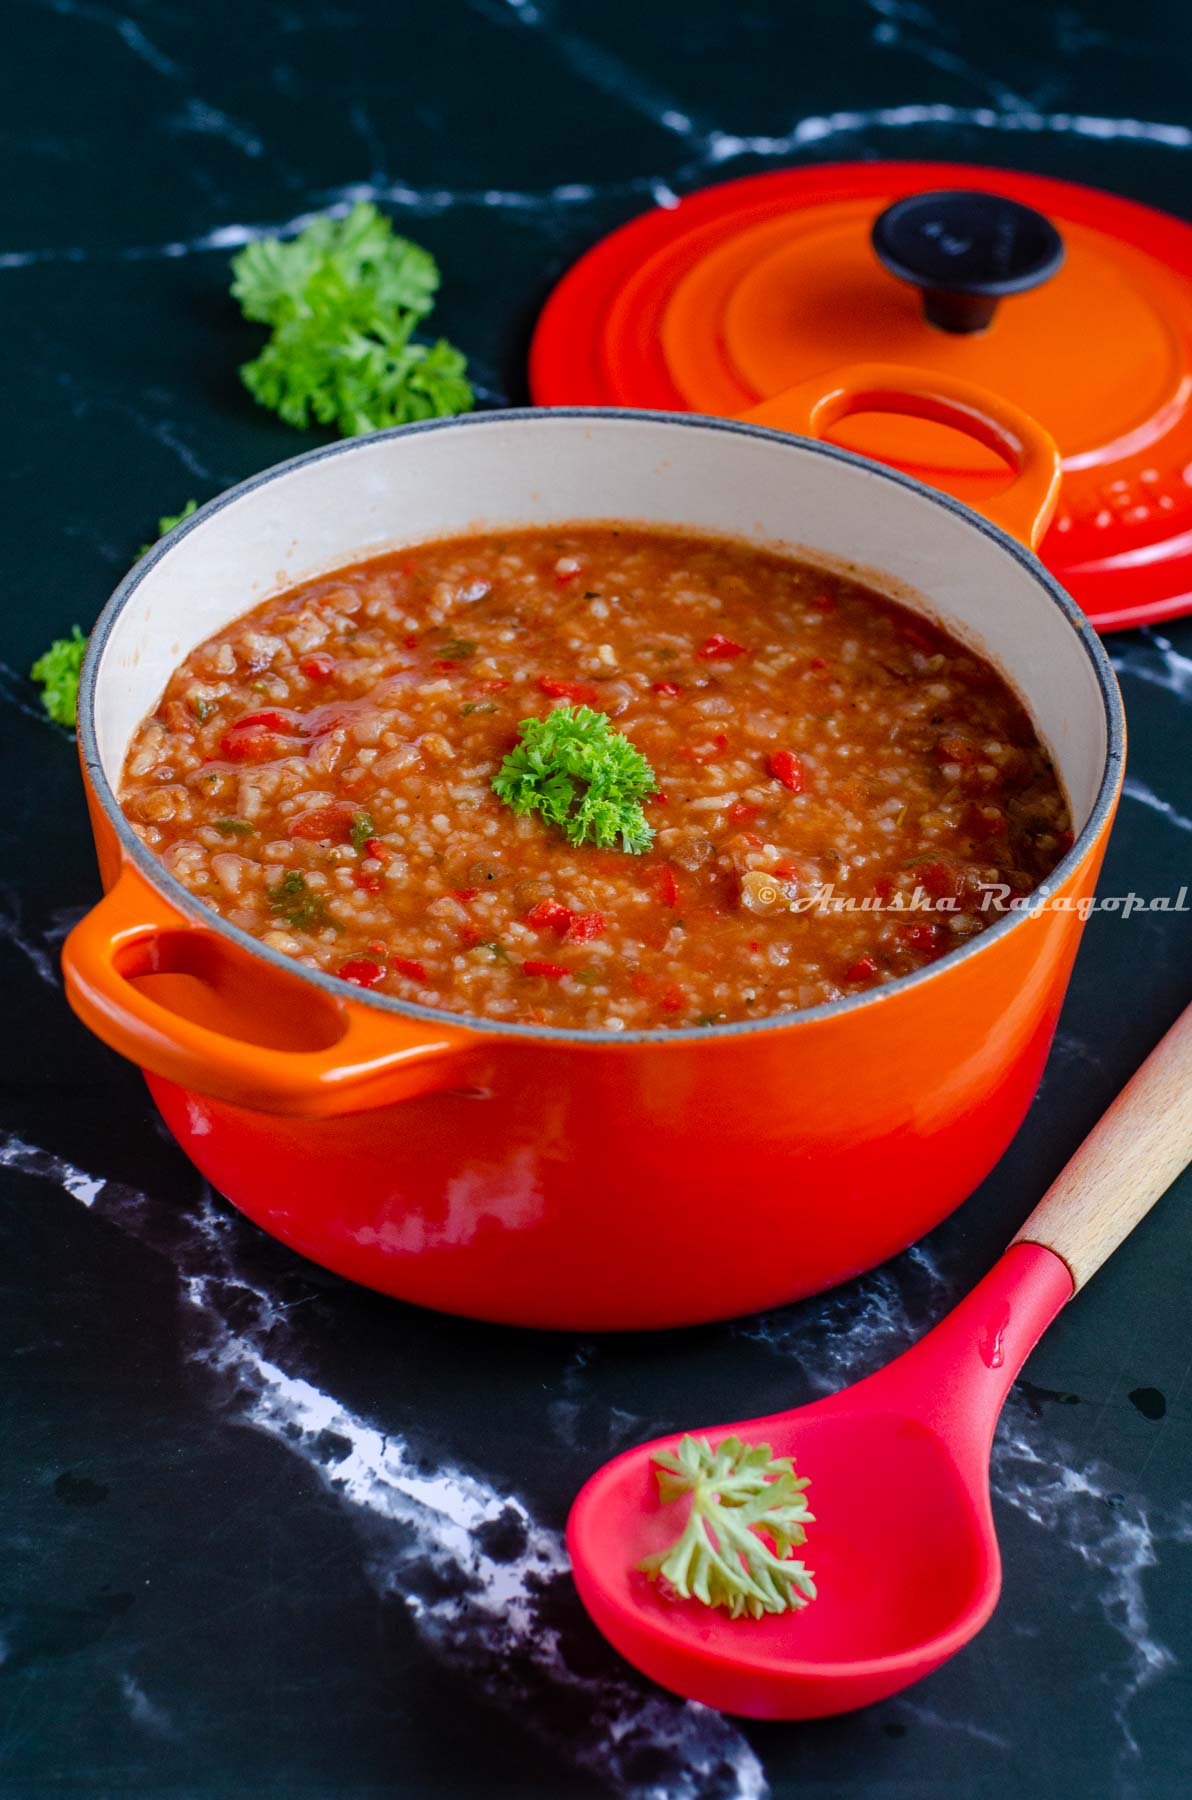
(840, 788)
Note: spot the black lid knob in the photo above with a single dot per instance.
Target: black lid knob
(965, 250)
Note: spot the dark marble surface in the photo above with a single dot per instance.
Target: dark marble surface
(263, 1532)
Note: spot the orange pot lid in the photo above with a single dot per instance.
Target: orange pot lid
(1078, 310)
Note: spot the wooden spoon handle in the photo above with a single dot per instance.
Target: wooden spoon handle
(1130, 1157)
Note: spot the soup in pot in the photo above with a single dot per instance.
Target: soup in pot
(814, 789)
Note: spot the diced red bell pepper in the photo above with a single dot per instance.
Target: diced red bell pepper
(318, 667)
(825, 603)
(785, 767)
(258, 737)
(579, 693)
(719, 648)
(378, 849)
(361, 972)
(984, 822)
(665, 687)
(490, 687)
(413, 971)
(550, 915)
(641, 983)
(937, 879)
(463, 895)
(673, 1000)
(928, 938)
(272, 719)
(742, 813)
(816, 664)
(586, 926)
(864, 969)
(332, 822)
(549, 971)
(369, 881)
(883, 888)
(665, 884)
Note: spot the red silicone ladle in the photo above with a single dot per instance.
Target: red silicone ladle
(903, 1548)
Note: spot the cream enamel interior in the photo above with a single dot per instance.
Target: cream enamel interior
(545, 468)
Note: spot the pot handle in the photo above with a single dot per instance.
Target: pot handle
(303, 1052)
(1024, 509)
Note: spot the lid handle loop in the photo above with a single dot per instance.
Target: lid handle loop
(1024, 509)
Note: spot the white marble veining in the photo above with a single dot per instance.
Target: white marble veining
(1135, 789)
(481, 1611)
(130, 34)
(422, 1527)
(1150, 657)
(1117, 1536)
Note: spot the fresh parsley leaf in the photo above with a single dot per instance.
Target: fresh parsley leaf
(581, 775)
(360, 830)
(737, 1491)
(234, 828)
(57, 674)
(457, 650)
(342, 300)
(293, 900)
(168, 521)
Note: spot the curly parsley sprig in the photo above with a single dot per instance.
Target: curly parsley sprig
(168, 521)
(737, 1492)
(342, 300)
(56, 672)
(582, 775)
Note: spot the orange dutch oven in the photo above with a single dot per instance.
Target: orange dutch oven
(593, 1180)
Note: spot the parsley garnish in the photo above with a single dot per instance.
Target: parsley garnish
(476, 706)
(234, 828)
(57, 673)
(342, 299)
(296, 904)
(168, 521)
(360, 830)
(582, 776)
(737, 1491)
(458, 650)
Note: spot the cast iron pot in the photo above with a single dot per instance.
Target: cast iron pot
(594, 1180)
